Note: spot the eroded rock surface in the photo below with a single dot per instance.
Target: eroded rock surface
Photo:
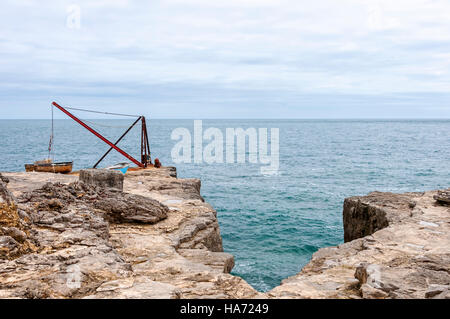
(16, 236)
(60, 238)
(443, 197)
(96, 242)
(103, 178)
(405, 252)
(365, 215)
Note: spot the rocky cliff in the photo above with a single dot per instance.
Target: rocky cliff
(397, 246)
(157, 239)
(62, 238)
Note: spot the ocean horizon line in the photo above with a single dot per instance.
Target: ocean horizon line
(250, 119)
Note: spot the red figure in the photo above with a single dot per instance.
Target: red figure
(157, 163)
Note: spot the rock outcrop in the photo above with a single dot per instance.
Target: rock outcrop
(102, 178)
(16, 237)
(363, 216)
(443, 197)
(61, 238)
(6, 198)
(397, 246)
(99, 242)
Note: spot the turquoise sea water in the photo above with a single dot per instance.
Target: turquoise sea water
(271, 224)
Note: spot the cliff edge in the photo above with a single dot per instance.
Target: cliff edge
(158, 238)
(396, 246)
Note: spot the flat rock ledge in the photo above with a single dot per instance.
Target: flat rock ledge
(158, 238)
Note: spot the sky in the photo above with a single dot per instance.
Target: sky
(227, 58)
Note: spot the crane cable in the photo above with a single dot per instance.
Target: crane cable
(98, 112)
(50, 144)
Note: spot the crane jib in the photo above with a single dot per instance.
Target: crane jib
(145, 147)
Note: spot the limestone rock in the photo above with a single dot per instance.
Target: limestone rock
(4, 179)
(57, 203)
(8, 246)
(369, 292)
(181, 188)
(443, 197)
(15, 233)
(364, 215)
(135, 288)
(171, 171)
(132, 208)
(96, 242)
(6, 198)
(159, 238)
(438, 292)
(397, 246)
(102, 178)
(219, 260)
(162, 172)
(14, 230)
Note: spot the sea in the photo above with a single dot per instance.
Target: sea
(272, 224)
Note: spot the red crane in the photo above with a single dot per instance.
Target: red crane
(145, 145)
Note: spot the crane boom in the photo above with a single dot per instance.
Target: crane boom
(145, 158)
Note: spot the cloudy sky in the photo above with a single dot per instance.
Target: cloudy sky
(227, 58)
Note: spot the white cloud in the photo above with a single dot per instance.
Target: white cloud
(325, 46)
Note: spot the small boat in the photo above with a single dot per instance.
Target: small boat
(48, 167)
(121, 167)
